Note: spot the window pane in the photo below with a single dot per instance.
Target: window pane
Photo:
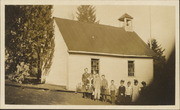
(130, 68)
(95, 65)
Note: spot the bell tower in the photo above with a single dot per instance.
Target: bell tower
(127, 22)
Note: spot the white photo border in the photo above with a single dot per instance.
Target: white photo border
(82, 2)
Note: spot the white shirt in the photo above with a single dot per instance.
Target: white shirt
(112, 87)
(129, 90)
(135, 94)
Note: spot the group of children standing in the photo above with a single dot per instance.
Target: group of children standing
(95, 88)
(128, 94)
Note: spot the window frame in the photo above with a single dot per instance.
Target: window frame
(95, 59)
(133, 69)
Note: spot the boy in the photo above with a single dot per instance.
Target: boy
(104, 86)
(112, 89)
(128, 92)
(97, 86)
(121, 93)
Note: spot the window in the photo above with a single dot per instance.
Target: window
(130, 68)
(95, 65)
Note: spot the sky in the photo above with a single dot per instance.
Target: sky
(155, 21)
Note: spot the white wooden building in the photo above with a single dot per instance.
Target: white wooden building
(117, 52)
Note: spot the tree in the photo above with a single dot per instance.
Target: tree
(159, 58)
(29, 37)
(86, 13)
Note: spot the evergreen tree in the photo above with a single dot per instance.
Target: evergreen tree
(86, 13)
(159, 58)
(29, 37)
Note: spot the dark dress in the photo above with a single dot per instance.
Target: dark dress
(85, 81)
(85, 84)
(143, 94)
(143, 89)
(121, 95)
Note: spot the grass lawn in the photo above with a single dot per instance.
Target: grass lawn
(19, 95)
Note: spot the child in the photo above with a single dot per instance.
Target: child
(143, 89)
(78, 88)
(90, 86)
(112, 89)
(85, 82)
(97, 86)
(104, 86)
(128, 92)
(121, 93)
(136, 89)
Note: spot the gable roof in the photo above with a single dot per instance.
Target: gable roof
(90, 37)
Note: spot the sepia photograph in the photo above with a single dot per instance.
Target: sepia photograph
(90, 54)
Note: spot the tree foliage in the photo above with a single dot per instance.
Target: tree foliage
(159, 58)
(86, 13)
(29, 37)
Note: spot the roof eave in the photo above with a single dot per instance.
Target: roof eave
(109, 54)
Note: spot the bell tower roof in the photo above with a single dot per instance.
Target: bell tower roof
(127, 22)
(125, 16)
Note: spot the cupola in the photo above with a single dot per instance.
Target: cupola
(127, 22)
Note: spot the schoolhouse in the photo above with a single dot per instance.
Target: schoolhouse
(117, 52)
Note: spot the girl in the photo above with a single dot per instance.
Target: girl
(136, 90)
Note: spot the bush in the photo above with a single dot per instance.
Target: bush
(22, 72)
